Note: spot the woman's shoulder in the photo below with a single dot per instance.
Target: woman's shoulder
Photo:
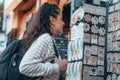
(45, 37)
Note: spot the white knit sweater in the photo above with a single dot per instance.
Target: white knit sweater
(36, 61)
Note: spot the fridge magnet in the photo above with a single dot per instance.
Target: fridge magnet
(94, 20)
(101, 51)
(109, 38)
(93, 71)
(87, 17)
(109, 77)
(118, 35)
(94, 29)
(94, 50)
(86, 73)
(114, 68)
(86, 27)
(109, 57)
(101, 20)
(100, 60)
(118, 46)
(101, 31)
(114, 57)
(86, 37)
(115, 47)
(110, 18)
(118, 69)
(87, 53)
(109, 27)
(114, 76)
(93, 60)
(94, 39)
(101, 40)
(114, 36)
(115, 17)
(118, 57)
(109, 65)
(101, 70)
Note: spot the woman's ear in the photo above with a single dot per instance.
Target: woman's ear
(52, 20)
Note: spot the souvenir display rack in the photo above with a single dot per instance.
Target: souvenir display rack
(113, 42)
(62, 43)
(101, 42)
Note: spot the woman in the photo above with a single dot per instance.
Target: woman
(46, 23)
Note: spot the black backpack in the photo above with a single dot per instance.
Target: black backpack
(9, 63)
(6, 57)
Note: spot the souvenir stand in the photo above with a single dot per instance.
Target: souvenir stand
(94, 49)
(113, 42)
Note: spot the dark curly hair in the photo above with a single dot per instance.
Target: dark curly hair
(40, 23)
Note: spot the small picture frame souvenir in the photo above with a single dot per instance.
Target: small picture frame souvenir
(86, 37)
(87, 53)
(101, 40)
(94, 50)
(101, 70)
(94, 60)
(109, 46)
(118, 69)
(113, 57)
(94, 39)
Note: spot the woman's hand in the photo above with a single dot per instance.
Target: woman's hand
(62, 64)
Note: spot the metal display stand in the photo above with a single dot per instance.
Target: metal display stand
(98, 62)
